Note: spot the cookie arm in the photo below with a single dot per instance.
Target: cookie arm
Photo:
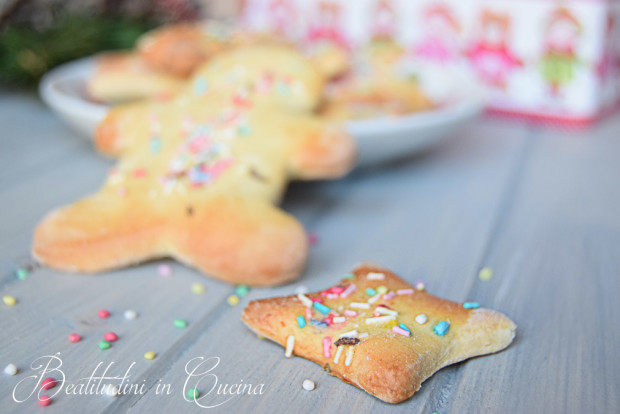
(110, 136)
(321, 151)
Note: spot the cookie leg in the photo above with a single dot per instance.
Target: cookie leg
(241, 241)
(324, 151)
(98, 233)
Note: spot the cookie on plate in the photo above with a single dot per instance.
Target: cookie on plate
(199, 176)
(377, 332)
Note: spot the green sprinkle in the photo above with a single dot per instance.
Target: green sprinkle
(371, 292)
(22, 274)
(244, 130)
(193, 393)
(242, 290)
(155, 145)
(180, 323)
(349, 276)
(104, 345)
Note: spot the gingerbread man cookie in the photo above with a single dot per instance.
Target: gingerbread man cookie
(377, 332)
(198, 177)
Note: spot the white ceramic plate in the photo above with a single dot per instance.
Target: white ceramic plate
(379, 140)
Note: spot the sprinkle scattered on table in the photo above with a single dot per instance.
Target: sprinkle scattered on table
(45, 400)
(233, 300)
(112, 391)
(130, 314)
(103, 314)
(103, 345)
(180, 323)
(10, 369)
(193, 393)
(164, 270)
(110, 337)
(198, 288)
(486, 273)
(242, 290)
(308, 385)
(74, 338)
(150, 355)
(22, 273)
(48, 383)
(9, 300)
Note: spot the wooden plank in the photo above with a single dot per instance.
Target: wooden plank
(556, 260)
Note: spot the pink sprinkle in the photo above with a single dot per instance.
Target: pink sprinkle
(103, 314)
(316, 300)
(350, 313)
(45, 400)
(405, 291)
(308, 313)
(140, 173)
(164, 270)
(350, 289)
(400, 331)
(48, 383)
(75, 337)
(327, 347)
(110, 337)
(337, 289)
(313, 239)
(389, 296)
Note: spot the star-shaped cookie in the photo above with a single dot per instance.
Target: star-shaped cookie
(199, 176)
(377, 332)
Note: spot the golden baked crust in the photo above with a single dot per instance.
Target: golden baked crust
(199, 176)
(384, 363)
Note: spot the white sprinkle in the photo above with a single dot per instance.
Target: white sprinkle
(380, 319)
(374, 298)
(305, 300)
(420, 286)
(375, 276)
(112, 391)
(359, 305)
(339, 319)
(130, 314)
(421, 319)
(308, 385)
(290, 343)
(10, 369)
(301, 289)
(363, 335)
(350, 334)
(349, 357)
(337, 356)
(385, 311)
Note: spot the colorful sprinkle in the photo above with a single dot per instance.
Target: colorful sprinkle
(180, 323)
(308, 385)
(363, 335)
(150, 355)
(471, 305)
(321, 308)
(385, 311)
(327, 347)
(301, 321)
(110, 337)
(350, 334)
(404, 291)
(382, 290)
(198, 288)
(374, 298)
(317, 323)
(74, 338)
(233, 300)
(104, 345)
(338, 352)
(48, 383)
(200, 86)
(130, 314)
(349, 356)
(193, 393)
(9, 300)
(375, 276)
(22, 273)
(155, 145)
(421, 319)
(486, 273)
(371, 292)
(380, 319)
(313, 239)
(420, 285)
(359, 305)
(112, 391)
(304, 299)
(103, 314)
(290, 344)
(403, 326)
(349, 276)
(347, 292)
(350, 313)
(400, 331)
(339, 319)
(10, 369)
(301, 289)
(441, 328)
(164, 270)
(389, 296)
(45, 400)
(242, 290)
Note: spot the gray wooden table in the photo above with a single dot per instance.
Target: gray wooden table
(540, 207)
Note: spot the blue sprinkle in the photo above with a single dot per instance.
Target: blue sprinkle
(198, 176)
(155, 145)
(371, 292)
(318, 323)
(244, 130)
(200, 86)
(441, 328)
(301, 321)
(402, 325)
(471, 305)
(321, 308)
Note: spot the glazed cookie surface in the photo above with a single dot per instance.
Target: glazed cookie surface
(377, 332)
